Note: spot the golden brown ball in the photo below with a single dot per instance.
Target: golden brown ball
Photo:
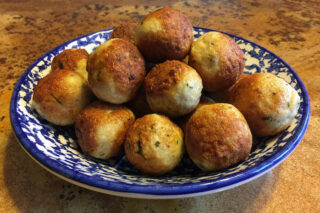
(268, 103)
(164, 34)
(218, 59)
(60, 96)
(217, 136)
(154, 144)
(173, 88)
(126, 31)
(101, 129)
(71, 59)
(116, 71)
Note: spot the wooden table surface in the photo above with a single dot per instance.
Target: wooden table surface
(290, 28)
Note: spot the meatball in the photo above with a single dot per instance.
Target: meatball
(218, 59)
(60, 96)
(116, 71)
(154, 144)
(101, 129)
(217, 136)
(268, 103)
(164, 34)
(71, 59)
(126, 31)
(173, 88)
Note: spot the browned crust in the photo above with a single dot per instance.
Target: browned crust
(123, 61)
(165, 76)
(206, 133)
(126, 31)
(95, 115)
(249, 98)
(56, 98)
(173, 43)
(68, 59)
(232, 63)
(141, 132)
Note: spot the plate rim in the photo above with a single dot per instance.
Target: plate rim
(167, 191)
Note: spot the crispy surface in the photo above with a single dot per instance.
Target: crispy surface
(217, 136)
(60, 96)
(268, 103)
(113, 120)
(164, 34)
(173, 88)
(126, 31)
(154, 144)
(116, 71)
(165, 76)
(71, 59)
(218, 59)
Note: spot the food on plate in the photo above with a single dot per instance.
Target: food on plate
(173, 88)
(268, 103)
(60, 96)
(126, 31)
(218, 59)
(101, 128)
(217, 136)
(139, 104)
(154, 144)
(71, 59)
(116, 71)
(164, 34)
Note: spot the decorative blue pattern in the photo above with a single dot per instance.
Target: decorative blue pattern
(55, 147)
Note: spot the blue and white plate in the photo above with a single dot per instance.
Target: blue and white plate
(55, 147)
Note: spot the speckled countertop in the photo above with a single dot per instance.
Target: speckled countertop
(290, 28)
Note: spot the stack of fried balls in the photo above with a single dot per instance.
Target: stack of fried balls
(115, 103)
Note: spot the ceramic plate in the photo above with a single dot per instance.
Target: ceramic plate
(55, 147)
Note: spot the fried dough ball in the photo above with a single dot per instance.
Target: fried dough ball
(218, 59)
(154, 144)
(126, 31)
(60, 96)
(101, 129)
(72, 59)
(268, 103)
(164, 34)
(217, 136)
(173, 88)
(116, 71)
